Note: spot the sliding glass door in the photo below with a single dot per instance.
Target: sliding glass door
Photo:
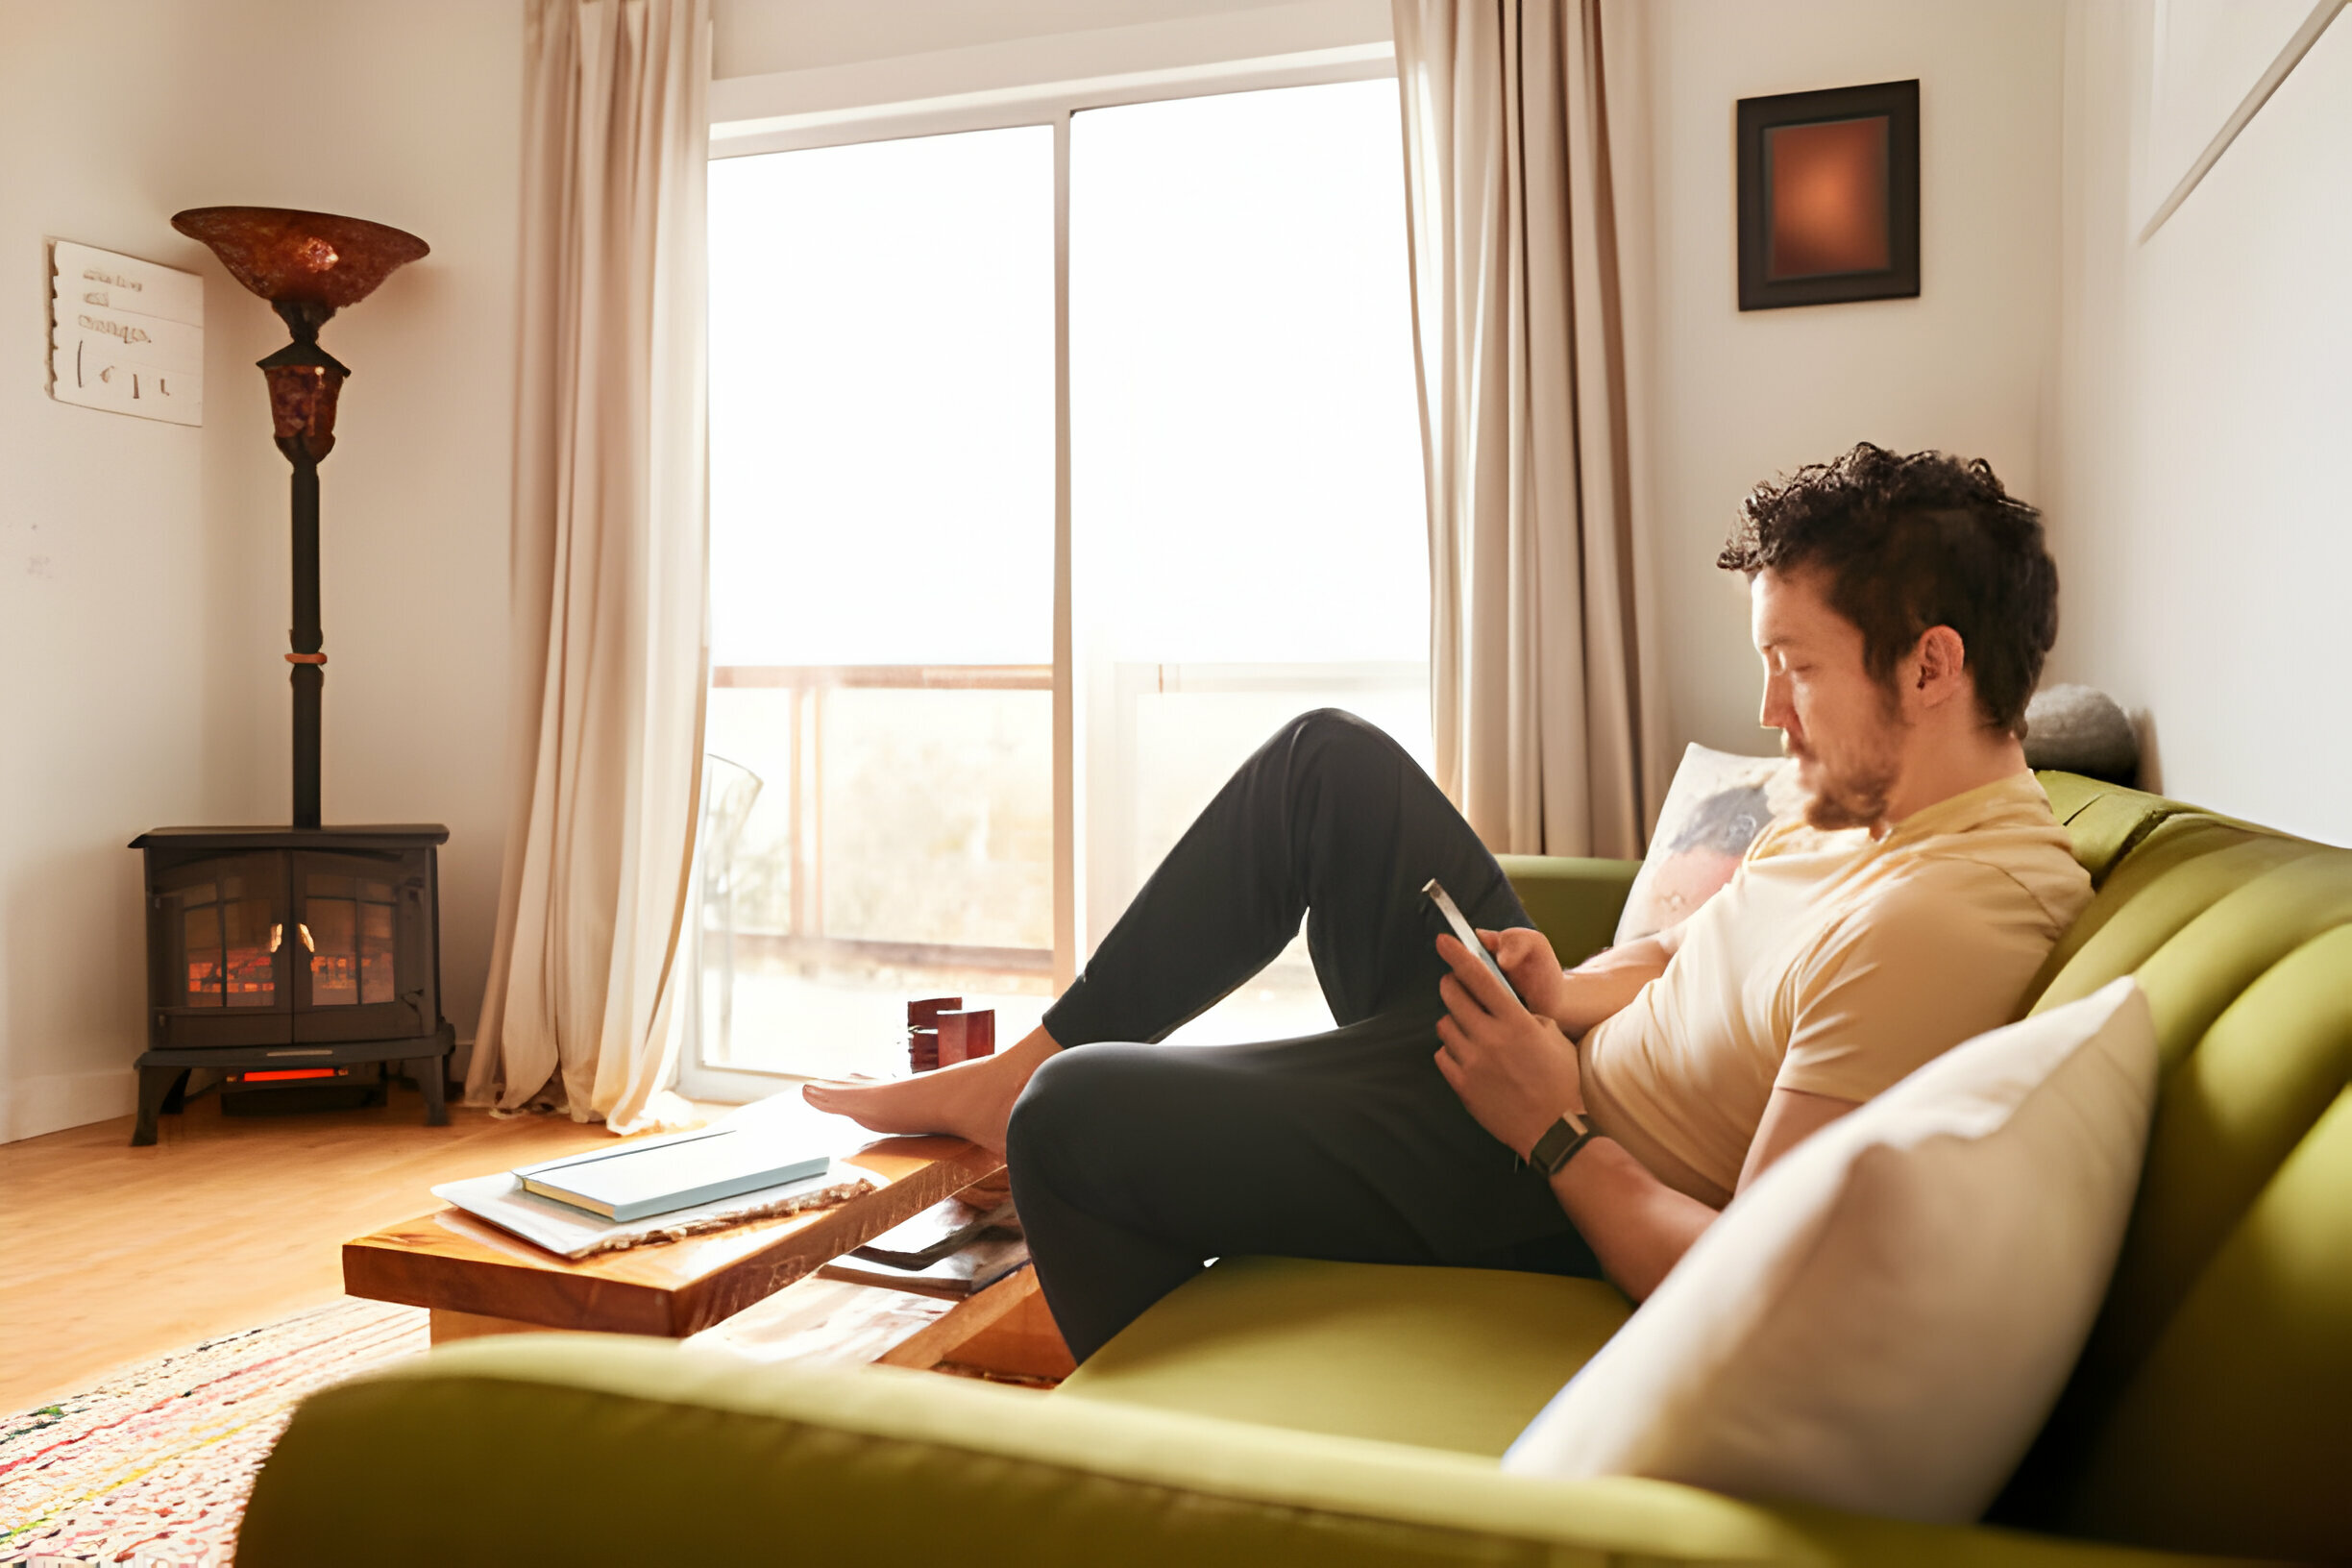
(880, 816)
(921, 643)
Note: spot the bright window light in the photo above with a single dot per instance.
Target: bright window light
(881, 370)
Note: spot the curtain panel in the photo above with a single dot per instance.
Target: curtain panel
(1515, 135)
(587, 997)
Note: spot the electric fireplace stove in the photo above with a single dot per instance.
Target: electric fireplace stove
(294, 957)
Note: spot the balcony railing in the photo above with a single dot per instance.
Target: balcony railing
(804, 936)
(903, 841)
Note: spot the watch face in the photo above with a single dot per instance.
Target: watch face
(1559, 1143)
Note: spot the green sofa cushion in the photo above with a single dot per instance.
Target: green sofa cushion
(592, 1451)
(2173, 843)
(2105, 820)
(2230, 1116)
(2233, 1430)
(2237, 1265)
(2132, 917)
(1458, 1358)
(1575, 903)
(2191, 979)
(601, 1450)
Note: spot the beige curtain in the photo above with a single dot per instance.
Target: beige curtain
(1516, 130)
(587, 979)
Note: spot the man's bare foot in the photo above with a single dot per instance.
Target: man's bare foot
(970, 1099)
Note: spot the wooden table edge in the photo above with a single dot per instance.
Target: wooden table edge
(557, 1294)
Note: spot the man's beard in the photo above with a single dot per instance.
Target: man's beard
(1856, 793)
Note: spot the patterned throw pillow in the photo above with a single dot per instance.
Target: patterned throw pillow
(1717, 805)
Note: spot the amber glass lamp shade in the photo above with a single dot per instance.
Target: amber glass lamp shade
(308, 265)
(313, 259)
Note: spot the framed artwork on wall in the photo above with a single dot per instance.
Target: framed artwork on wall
(1829, 196)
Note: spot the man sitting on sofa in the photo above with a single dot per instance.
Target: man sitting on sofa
(1902, 606)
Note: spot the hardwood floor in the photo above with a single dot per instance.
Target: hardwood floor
(112, 1254)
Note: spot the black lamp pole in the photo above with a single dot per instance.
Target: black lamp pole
(304, 381)
(308, 265)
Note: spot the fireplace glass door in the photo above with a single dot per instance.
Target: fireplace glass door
(357, 936)
(222, 927)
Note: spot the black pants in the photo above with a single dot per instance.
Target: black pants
(1133, 1163)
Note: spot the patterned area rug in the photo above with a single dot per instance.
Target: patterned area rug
(151, 1469)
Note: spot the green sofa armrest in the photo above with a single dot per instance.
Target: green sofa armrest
(1573, 902)
(590, 1451)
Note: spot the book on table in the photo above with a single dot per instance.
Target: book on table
(952, 1249)
(965, 1272)
(657, 1175)
(945, 1228)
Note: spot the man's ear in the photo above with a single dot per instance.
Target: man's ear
(1940, 667)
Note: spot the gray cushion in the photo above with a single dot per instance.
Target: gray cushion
(2081, 730)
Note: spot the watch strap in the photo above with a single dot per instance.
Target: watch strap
(1560, 1143)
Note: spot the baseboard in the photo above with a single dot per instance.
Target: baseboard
(50, 1104)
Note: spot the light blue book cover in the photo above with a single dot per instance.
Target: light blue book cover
(660, 1174)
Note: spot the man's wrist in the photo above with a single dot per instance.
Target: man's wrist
(1560, 1142)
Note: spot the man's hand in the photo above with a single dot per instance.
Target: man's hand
(1514, 1070)
(1534, 968)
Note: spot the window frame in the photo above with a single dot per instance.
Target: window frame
(1047, 104)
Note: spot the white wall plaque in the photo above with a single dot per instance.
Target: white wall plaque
(126, 335)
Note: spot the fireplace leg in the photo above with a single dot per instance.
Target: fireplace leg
(432, 1076)
(429, 1071)
(157, 1086)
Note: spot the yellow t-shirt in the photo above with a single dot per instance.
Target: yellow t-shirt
(1835, 965)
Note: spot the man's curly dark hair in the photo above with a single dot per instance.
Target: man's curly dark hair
(1907, 543)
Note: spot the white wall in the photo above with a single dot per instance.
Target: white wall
(2204, 509)
(838, 59)
(144, 567)
(1969, 366)
(757, 37)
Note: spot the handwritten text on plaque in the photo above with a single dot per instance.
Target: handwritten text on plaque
(126, 335)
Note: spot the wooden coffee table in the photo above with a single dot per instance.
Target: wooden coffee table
(476, 1279)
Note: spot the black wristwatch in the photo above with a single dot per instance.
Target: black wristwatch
(1560, 1142)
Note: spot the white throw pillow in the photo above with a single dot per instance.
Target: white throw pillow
(1714, 809)
(1882, 1321)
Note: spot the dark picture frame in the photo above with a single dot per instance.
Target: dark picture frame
(1816, 225)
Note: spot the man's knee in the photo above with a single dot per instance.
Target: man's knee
(1059, 1121)
(1332, 726)
(1335, 738)
(1033, 1127)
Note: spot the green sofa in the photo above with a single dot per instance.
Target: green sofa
(1281, 1411)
